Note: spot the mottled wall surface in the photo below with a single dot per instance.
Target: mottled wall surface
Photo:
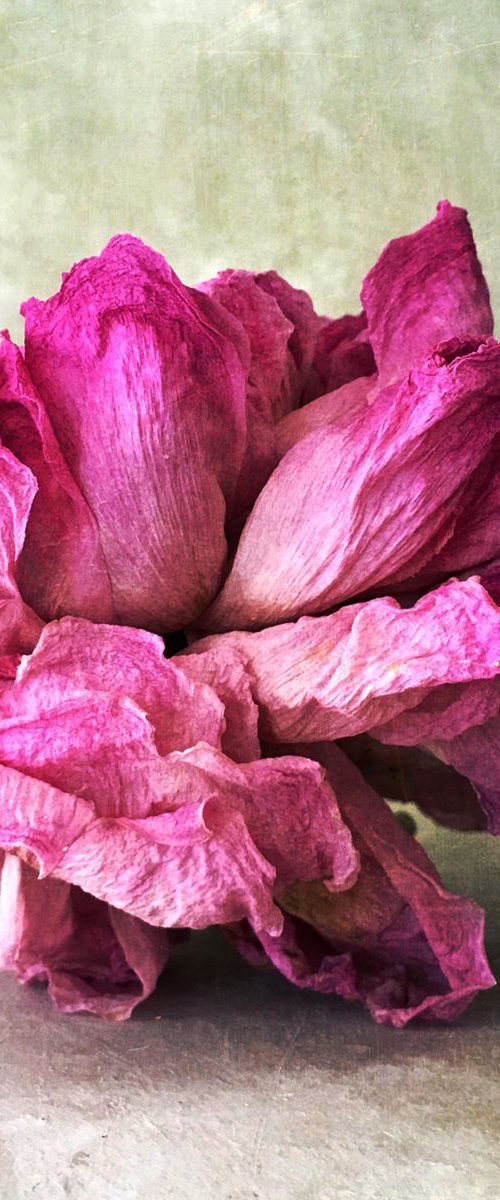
(300, 134)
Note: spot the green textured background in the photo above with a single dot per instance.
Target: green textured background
(299, 134)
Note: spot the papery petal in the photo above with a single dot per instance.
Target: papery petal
(336, 409)
(74, 655)
(397, 940)
(272, 375)
(232, 683)
(475, 753)
(20, 627)
(374, 665)
(342, 353)
(298, 308)
(93, 958)
(146, 394)
(186, 838)
(413, 775)
(61, 566)
(425, 287)
(369, 506)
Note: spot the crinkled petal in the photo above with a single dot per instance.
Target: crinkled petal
(231, 681)
(413, 775)
(366, 507)
(425, 287)
(374, 666)
(74, 655)
(194, 861)
(397, 940)
(475, 753)
(298, 308)
(272, 375)
(20, 627)
(61, 567)
(93, 958)
(185, 838)
(342, 352)
(146, 393)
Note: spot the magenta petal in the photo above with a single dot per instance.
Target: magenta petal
(20, 627)
(397, 940)
(231, 681)
(298, 308)
(272, 375)
(374, 667)
(475, 753)
(425, 287)
(146, 394)
(61, 567)
(347, 511)
(342, 353)
(413, 775)
(93, 958)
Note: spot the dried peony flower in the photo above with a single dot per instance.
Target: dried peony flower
(309, 508)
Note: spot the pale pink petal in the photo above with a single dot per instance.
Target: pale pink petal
(347, 511)
(336, 409)
(93, 958)
(74, 655)
(146, 393)
(61, 566)
(231, 681)
(425, 287)
(20, 627)
(397, 940)
(374, 665)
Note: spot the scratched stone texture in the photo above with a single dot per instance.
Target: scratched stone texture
(297, 134)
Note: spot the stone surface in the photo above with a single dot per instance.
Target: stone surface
(231, 1085)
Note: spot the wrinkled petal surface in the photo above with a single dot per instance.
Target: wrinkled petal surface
(426, 287)
(397, 940)
(342, 352)
(20, 627)
(368, 506)
(374, 667)
(61, 567)
(146, 393)
(93, 958)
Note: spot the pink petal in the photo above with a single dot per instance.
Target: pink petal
(298, 308)
(230, 680)
(475, 753)
(188, 838)
(397, 940)
(336, 409)
(413, 775)
(373, 667)
(272, 377)
(146, 394)
(61, 533)
(342, 353)
(74, 655)
(425, 287)
(93, 958)
(194, 861)
(347, 511)
(19, 625)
